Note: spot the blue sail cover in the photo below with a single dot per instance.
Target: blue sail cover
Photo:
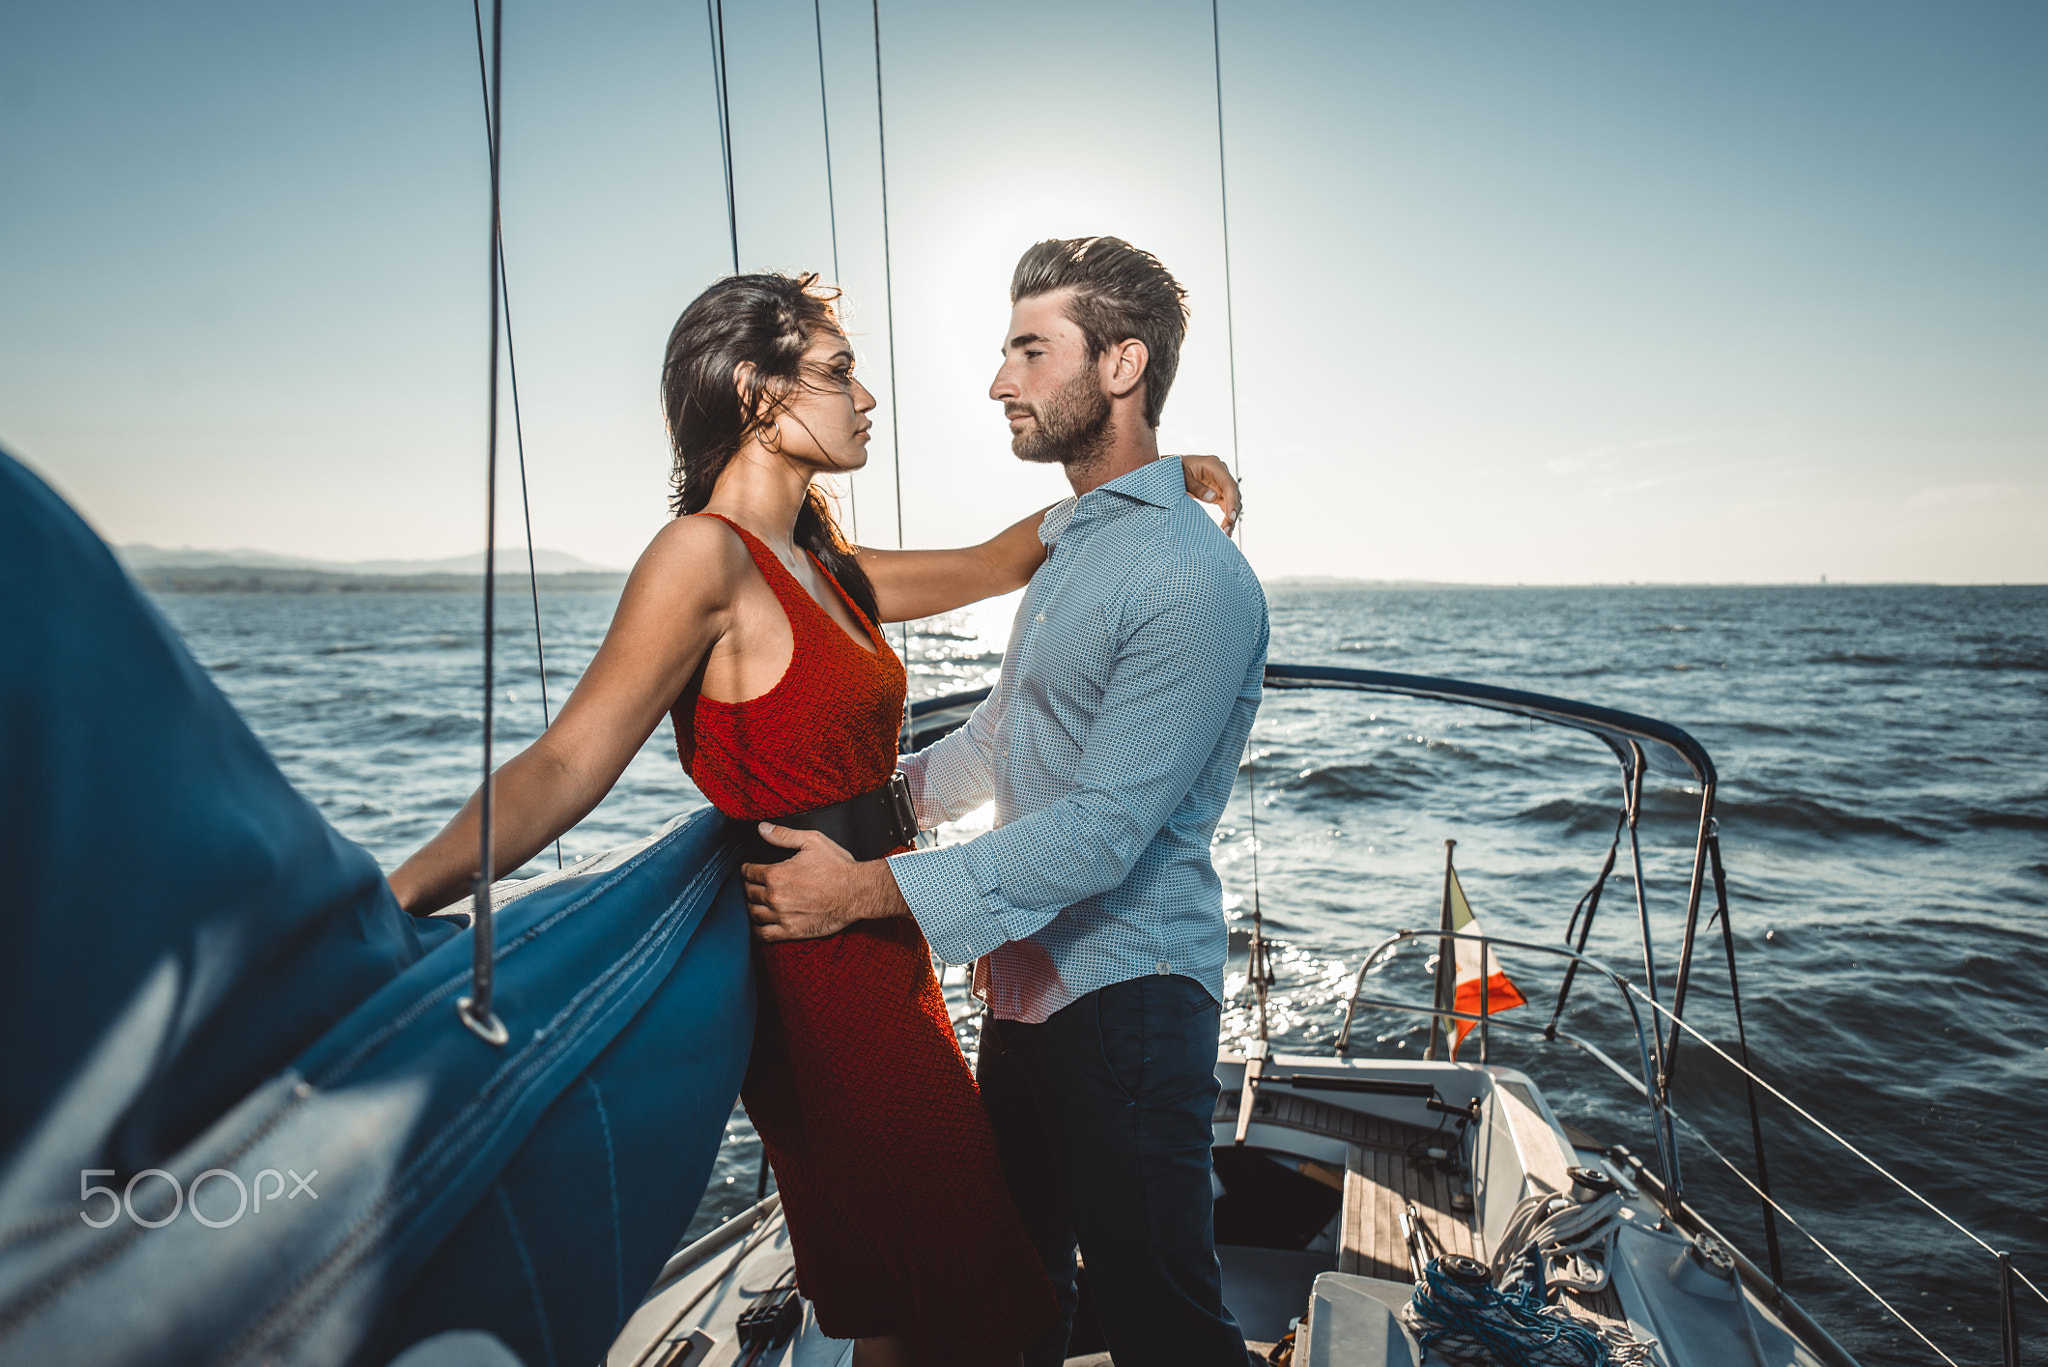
(200, 978)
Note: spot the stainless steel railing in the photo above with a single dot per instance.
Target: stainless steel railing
(1660, 1122)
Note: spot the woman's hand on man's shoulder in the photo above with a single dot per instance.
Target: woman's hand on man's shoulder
(1209, 480)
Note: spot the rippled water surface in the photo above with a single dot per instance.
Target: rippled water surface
(1883, 809)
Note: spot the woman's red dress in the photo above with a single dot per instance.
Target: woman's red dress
(897, 1211)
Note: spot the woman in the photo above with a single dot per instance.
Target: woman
(755, 625)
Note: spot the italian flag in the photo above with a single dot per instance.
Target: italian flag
(1499, 993)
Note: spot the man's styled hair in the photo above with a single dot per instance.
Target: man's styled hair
(1119, 293)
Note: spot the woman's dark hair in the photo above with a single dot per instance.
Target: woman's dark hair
(771, 321)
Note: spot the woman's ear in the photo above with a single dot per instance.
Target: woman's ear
(743, 384)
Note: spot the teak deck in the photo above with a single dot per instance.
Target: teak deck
(1384, 1170)
(1379, 1182)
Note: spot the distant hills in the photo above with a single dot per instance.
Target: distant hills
(185, 570)
(142, 559)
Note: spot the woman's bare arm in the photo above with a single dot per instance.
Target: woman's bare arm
(675, 607)
(913, 584)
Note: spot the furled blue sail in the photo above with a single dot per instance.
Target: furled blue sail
(208, 997)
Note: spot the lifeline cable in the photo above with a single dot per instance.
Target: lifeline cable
(1810, 1118)
(1260, 970)
(1814, 1239)
(475, 1009)
(518, 427)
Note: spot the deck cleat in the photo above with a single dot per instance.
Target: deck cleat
(770, 1321)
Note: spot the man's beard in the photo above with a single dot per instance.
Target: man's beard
(1072, 429)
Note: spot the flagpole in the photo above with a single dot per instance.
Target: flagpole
(1485, 1004)
(1446, 963)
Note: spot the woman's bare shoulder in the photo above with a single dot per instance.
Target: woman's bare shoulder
(698, 557)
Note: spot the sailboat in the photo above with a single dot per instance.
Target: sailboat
(1350, 1190)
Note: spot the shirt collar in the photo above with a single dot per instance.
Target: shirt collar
(1160, 483)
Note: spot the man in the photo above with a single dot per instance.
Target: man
(1110, 746)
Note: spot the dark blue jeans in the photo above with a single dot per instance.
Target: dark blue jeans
(1102, 1116)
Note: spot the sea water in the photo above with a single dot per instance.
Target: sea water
(1882, 807)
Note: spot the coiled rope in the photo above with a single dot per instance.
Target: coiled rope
(1462, 1319)
(1572, 1239)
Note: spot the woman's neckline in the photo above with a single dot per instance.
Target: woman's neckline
(872, 646)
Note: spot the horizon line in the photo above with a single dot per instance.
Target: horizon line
(1363, 581)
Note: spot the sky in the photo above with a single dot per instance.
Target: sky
(1568, 293)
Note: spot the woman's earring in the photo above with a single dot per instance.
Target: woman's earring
(771, 436)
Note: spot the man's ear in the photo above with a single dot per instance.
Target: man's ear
(1127, 361)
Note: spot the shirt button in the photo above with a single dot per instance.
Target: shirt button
(1165, 967)
(1041, 617)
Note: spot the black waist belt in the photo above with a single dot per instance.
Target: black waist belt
(867, 827)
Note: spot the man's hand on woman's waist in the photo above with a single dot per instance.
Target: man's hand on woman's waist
(819, 891)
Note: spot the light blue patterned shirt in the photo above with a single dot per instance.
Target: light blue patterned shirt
(1109, 746)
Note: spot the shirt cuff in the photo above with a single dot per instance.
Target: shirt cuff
(912, 767)
(948, 904)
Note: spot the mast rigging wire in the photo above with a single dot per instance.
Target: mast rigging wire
(714, 14)
(1259, 968)
(889, 315)
(1223, 201)
(512, 369)
(831, 209)
(475, 1009)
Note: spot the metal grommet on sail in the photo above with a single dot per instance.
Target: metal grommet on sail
(485, 1025)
